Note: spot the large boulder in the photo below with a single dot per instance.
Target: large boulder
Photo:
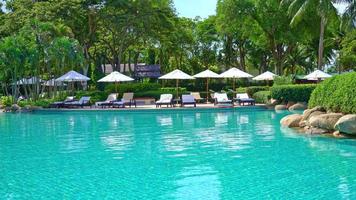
(15, 108)
(346, 124)
(324, 121)
(308, 112)
(290, 103)
(280, 107)
(314, 130)
(291, 120)
(298, 106)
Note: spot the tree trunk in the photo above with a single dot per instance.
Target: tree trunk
(242, 57)
(321, 42)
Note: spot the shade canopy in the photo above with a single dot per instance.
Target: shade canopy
(53, 82)
(29, 81)
(317, 74)
(266, 76)
(116, 77)
(177, 75)
(72, 76)
(235, 73)
(207, 74)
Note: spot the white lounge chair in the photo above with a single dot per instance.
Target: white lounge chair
(221, 98)
(188, 99)
(108, 102)
(165, 99)
(244, 98)
(127, 99)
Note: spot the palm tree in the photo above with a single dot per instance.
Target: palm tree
(349, 15)
(325, 10)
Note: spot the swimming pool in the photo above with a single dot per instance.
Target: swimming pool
(237, 153)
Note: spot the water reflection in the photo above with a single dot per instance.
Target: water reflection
(198, 182)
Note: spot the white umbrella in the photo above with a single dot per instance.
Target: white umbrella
(176, 75)
(207, 74)
(266, 76)
(29, 81)
(72, 76)
(116, 77)
(317, 75)
(235, 73)
(53, 82)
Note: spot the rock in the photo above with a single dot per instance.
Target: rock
(27, 108)
(280, 107)
(302, 124)
(290, 103)
(314, 130)
(308, 112)
(324, 121)
(15, 108)
(339, 135)
(7, 109)
(274, 101)
(346, 124)
(291, 120)
(298, 106)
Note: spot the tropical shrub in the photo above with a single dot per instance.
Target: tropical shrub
(131, 87)
(282, 80)
(337, 94)
(295, 93)
(253, 89)
(262, 96)
(6, 100)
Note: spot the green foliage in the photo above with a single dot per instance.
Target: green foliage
(6, 100)
(294, 93)
(347, 58)
(253, 89)
(132, 87)
(337, 94)
(262, 96)
(283, 80)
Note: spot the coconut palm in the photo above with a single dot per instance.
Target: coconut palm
(325, 10)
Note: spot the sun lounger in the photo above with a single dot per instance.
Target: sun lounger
(127, 99)
(197, 96)
(165, 99)
(244, 98)
(108, 102)
(188, 99)
(60, 104)
(84, 101)
(221, 98)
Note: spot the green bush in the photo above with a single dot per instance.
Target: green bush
(282, 80)
(6, 100)
(295, 93)
(132, 87)
(337, 94)
(253, 89)
(241, 90)
(262, 96)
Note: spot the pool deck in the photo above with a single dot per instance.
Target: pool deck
(153, 107)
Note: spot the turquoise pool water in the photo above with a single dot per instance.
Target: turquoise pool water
(186, 154)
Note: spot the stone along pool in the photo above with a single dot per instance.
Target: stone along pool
(169, 154)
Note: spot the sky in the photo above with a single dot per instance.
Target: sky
(193, 8)
(204, 8)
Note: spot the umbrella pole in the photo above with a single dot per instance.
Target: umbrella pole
(116, 86)
(177, 88)
(233, 84)
(207, 90)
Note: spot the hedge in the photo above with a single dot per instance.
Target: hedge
(132, 87)
(294, 93)
(262, 96)
(253, 89)
(337, 94)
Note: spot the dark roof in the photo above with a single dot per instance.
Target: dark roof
(147, 71)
